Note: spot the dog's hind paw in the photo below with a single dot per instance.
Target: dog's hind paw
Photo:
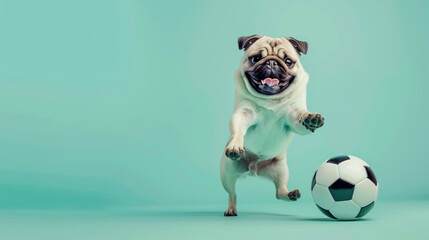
(230, 212)
(294, 195)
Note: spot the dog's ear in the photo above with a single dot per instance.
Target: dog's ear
(300, 46)
(246, 42)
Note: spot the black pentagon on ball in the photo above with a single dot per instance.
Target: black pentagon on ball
(363, 211)
(341, 190)
(338, 159)
(326, 212)
(313, 182)
(370, 175)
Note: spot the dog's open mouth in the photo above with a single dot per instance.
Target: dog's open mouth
(268, 86)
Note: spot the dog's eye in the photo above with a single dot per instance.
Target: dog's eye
(288, 62)
(255, 58)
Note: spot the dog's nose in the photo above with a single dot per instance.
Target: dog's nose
(271, 63)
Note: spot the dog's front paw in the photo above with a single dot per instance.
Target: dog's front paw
(230, 212)
(313, 121)
(234, 150)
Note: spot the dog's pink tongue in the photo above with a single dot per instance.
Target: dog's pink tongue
(270, 82)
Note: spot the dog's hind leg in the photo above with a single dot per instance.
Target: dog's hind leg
(230, 171)
(278, 171)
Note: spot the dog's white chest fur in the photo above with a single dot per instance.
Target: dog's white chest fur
(269, 136)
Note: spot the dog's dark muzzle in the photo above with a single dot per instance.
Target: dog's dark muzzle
(269, 77)
(270, 69)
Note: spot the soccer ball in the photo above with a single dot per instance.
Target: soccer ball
(344, 188)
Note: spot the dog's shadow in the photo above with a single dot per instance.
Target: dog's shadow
(210, 214)
(244, 215)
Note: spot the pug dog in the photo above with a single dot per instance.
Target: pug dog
(270, 106)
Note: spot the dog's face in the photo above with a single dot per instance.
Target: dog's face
(270, 65)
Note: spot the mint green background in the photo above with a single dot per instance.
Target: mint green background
(390, 220)
(125, 104)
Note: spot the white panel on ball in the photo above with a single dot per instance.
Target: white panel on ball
(322, 196)
(352, 171)
(353, 158)
(327, 174)
(345, 210)
(365, 192)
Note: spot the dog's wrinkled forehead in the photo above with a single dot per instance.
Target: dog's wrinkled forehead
(267, 46)
(279, 47)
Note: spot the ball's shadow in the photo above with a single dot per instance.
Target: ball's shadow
(332, 220)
